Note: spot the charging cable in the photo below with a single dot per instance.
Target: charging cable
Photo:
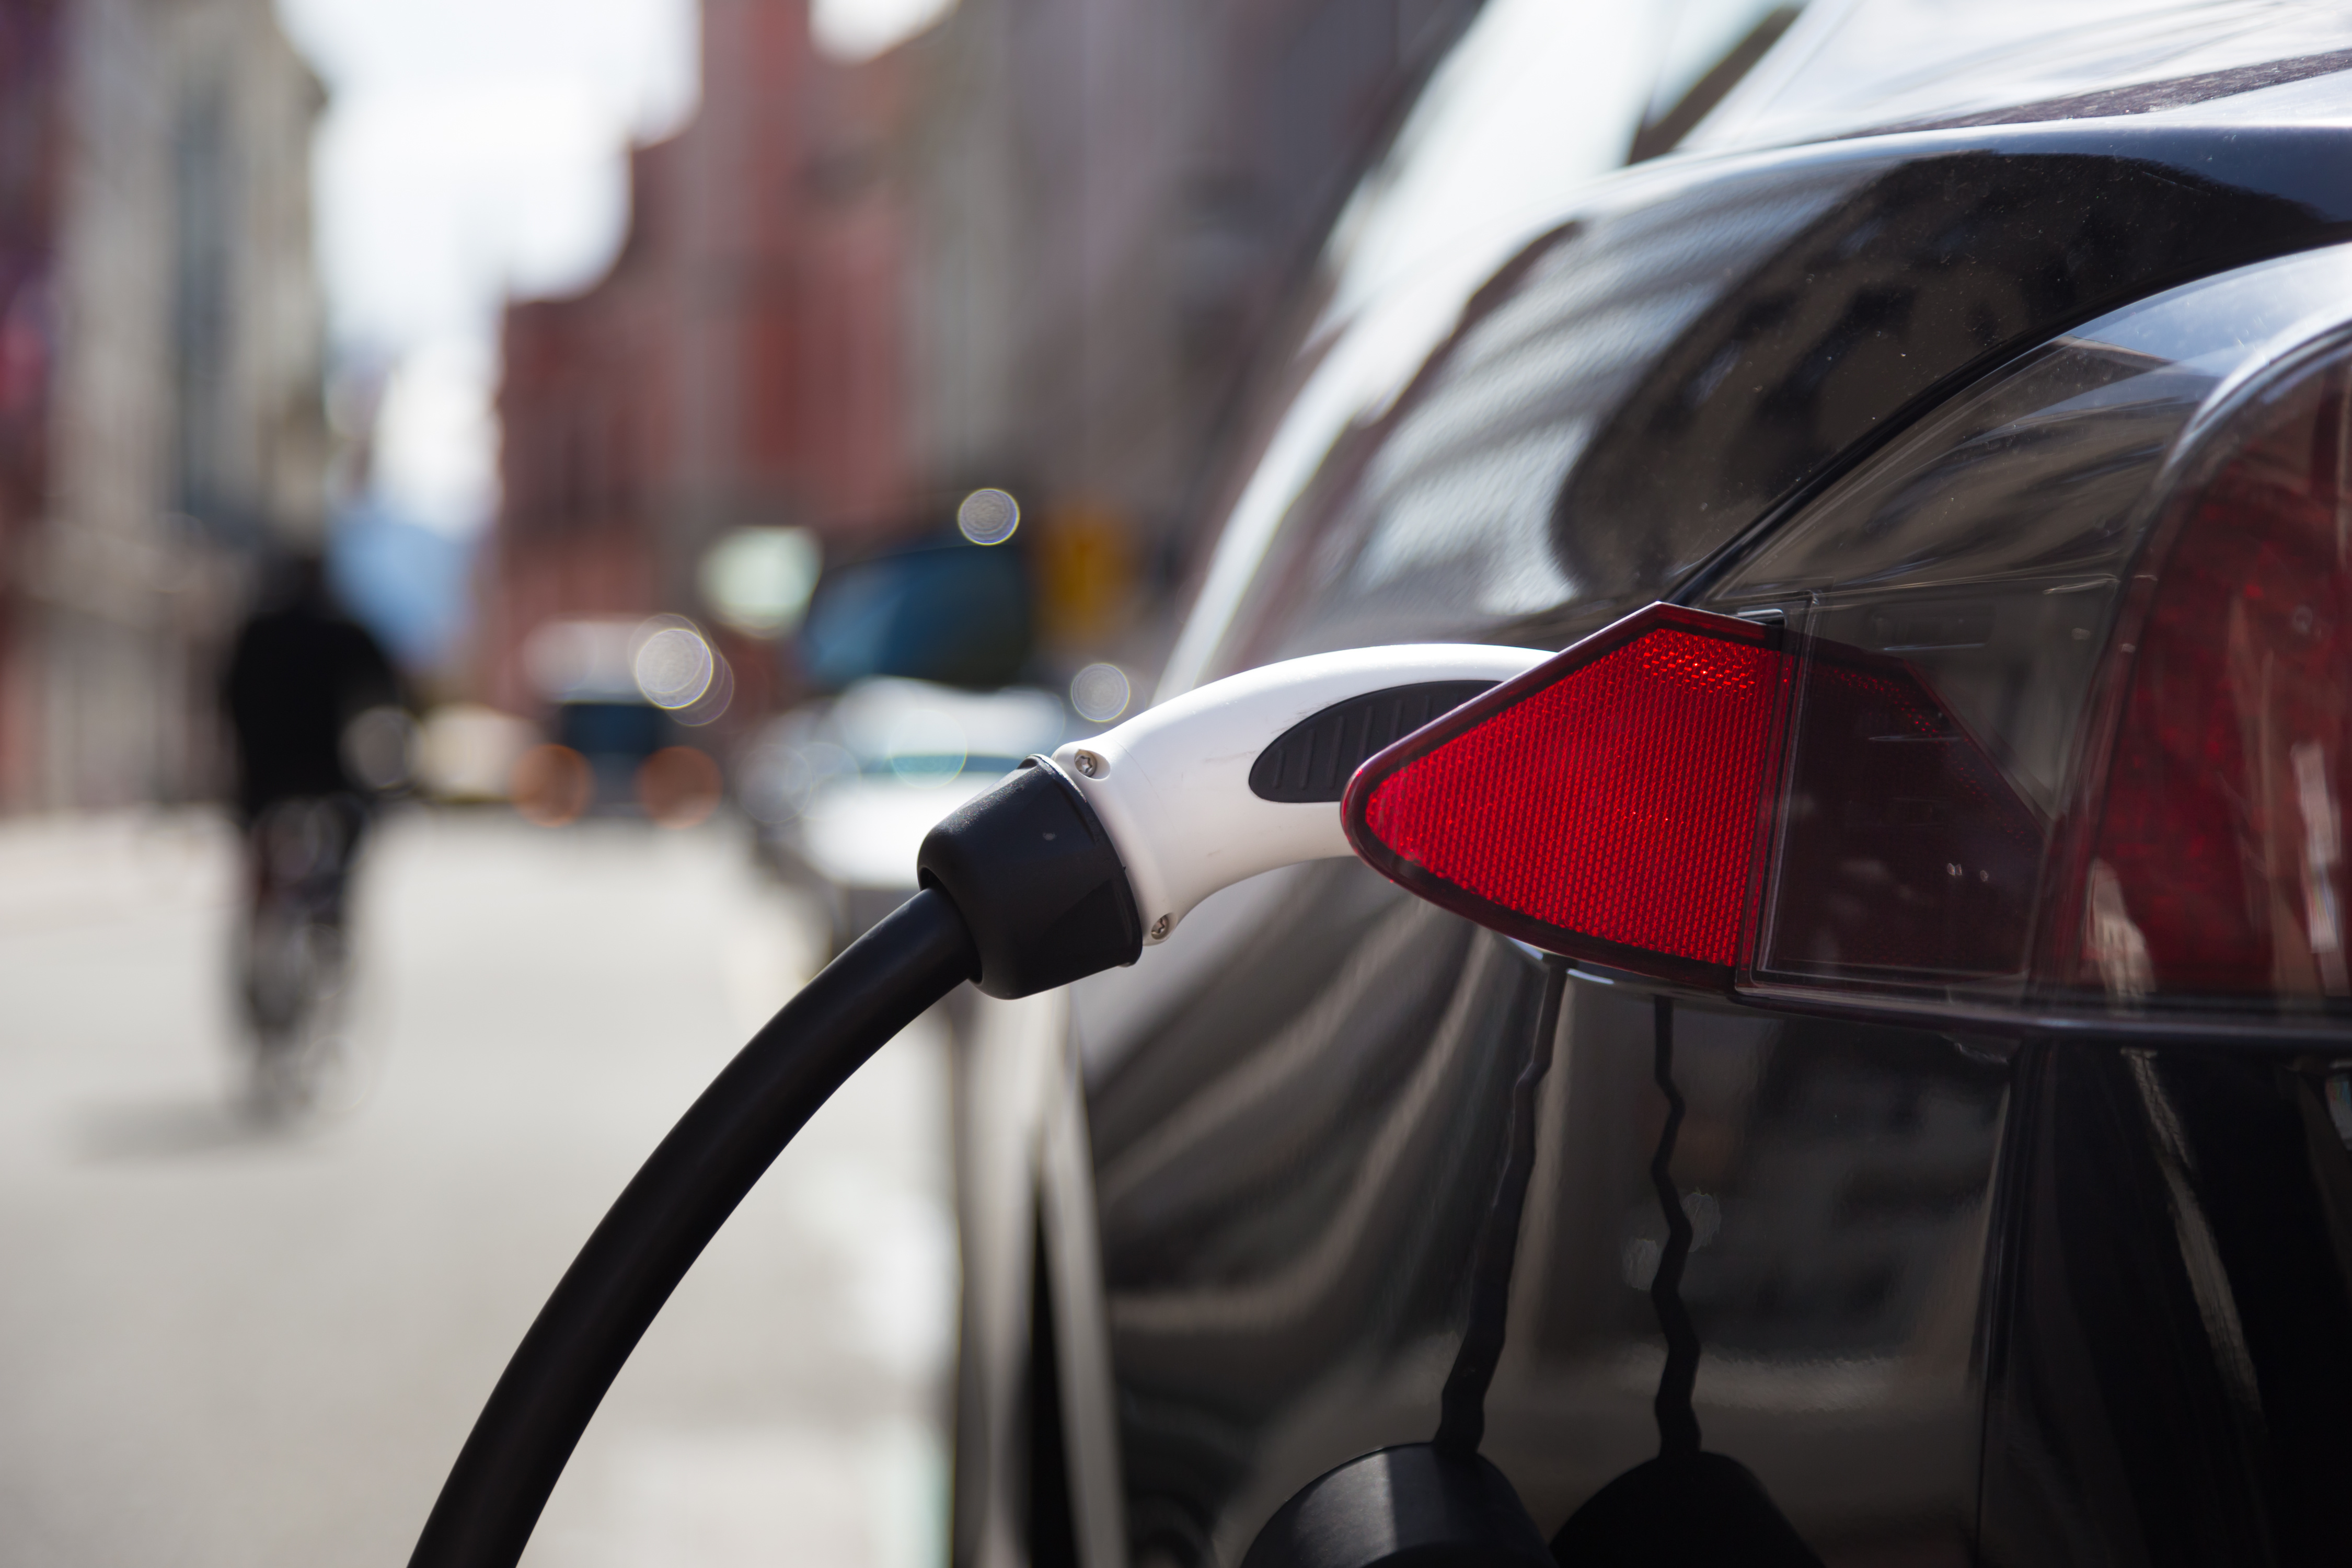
(1073, 865)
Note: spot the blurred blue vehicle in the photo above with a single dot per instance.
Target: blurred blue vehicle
(920, 645)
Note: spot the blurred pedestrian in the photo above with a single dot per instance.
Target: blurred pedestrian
(314, 706)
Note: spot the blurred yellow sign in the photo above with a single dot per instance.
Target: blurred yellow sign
(1085, 562)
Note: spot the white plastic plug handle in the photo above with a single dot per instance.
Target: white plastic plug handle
(1171, 785)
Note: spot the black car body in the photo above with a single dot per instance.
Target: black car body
(1907, 351)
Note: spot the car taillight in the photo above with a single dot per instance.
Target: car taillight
(2215, 862)
(1611, 804)
(1602, 804)
(2153, 814)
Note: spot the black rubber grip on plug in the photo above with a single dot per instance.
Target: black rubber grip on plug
(1038, 880)
(1315, 758)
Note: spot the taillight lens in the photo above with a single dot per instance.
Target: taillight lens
(2061, 716)
(2215, 867)
(1611, 804)
(1603, 804)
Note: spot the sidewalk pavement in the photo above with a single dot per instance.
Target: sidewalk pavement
(225, 1346)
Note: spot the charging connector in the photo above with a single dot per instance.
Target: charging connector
(1071, 865)
(1172, 785)
(1077, 862)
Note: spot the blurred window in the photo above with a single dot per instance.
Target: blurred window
(957, 614)
(610, 728)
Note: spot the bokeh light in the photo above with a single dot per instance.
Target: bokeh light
(679, 787)
(553, 785)
(1100, 692)
(674, 666)
(988, 516)
(757, 580)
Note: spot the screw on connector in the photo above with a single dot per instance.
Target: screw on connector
(1090, 765)
(1158, 927)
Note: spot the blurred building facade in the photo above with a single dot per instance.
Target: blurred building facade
(1119, 202)
(162, 338)
(1038, 247)
(741, 364)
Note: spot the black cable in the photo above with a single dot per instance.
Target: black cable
(1462, 1419)
(666, 1215)
(1677, 1422)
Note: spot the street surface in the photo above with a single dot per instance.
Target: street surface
(225, 1346)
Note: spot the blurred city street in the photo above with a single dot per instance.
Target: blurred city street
(636, 443)
(221, 1344)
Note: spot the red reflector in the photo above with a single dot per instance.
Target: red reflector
(1604, 805)
(2217, 867)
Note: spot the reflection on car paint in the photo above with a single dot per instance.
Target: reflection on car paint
(1654, 376)
(1286, 1230)
(2173, 1355)
(1845, 1170)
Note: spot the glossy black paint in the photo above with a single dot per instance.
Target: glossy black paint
(1946, 264)
(1694, 358)
(2171, 1360)
(1957, 1301)
(1295, 1294)
(1330, 1205)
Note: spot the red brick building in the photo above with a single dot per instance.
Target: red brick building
(738, 366)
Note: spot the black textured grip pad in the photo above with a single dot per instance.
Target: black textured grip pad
(1315, 758)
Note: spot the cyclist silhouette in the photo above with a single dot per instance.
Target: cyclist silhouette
(304, 686)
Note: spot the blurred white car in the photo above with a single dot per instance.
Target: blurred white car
(843, 790)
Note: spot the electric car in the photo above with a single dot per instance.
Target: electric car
(1993, 364)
